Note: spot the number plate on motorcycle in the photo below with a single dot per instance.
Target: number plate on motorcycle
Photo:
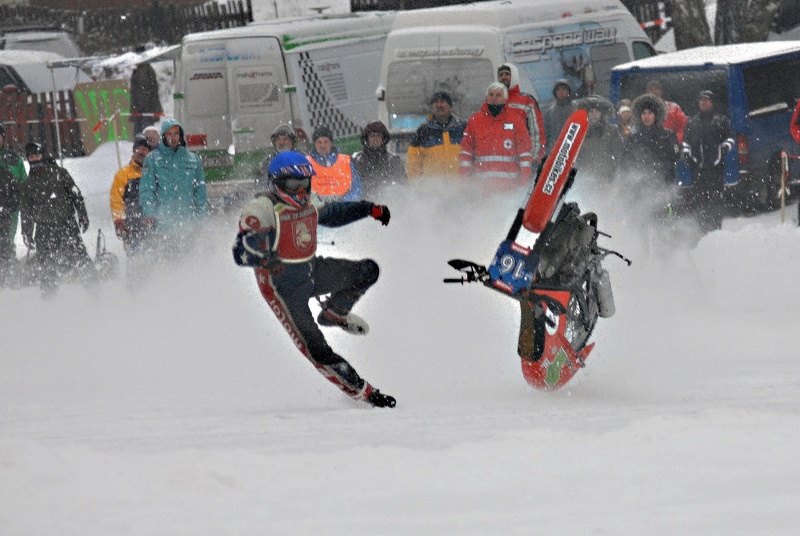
(512, 267)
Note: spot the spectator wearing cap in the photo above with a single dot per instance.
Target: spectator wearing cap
(707, 139)
(377, 167)
(675, 119)
(508, 75)
(335, 176)
(126, 208)
(625, 120)
(558, 113)
(12, 161)
(434, 149)
(602, 148)
(651, 152)
(283, 138)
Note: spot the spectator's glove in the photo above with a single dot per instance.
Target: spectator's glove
(29, 243)
(381, 213)
(83, 222)
(121, 228)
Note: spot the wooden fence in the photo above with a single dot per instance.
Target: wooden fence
(32, 117)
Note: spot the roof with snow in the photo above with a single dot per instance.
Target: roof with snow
(715, 55)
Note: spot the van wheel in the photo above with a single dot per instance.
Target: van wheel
(767, 193)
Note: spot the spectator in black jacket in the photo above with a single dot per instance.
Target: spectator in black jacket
(9, 203)
(376, 165)
(49, 203)
(651, 151)
(706, 140)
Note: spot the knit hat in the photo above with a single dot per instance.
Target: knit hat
(283, 130)
(706, 94)
(442, 96)
(322, 132)
(140, 140)
(504, 68)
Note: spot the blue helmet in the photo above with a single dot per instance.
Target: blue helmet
(290, 164)
(290, 175)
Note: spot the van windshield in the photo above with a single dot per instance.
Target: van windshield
(682, 87)
(410, 85)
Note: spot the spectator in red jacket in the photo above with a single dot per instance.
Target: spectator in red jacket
(496, 143)
(508, 75)
(676, 120)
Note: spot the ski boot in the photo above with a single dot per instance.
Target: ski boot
(380, 400)
(350, 323)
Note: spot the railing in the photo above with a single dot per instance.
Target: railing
(32, 118)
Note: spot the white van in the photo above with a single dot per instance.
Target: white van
(234, 86)
(459, 48)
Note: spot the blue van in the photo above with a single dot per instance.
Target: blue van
(757, 85)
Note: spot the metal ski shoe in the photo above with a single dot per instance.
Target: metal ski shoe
(350, 323)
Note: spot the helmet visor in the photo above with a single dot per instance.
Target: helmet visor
(293, 184)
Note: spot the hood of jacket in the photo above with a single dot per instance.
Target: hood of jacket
(514, 75)
(168, 124)
(652, 102)
(375, 127)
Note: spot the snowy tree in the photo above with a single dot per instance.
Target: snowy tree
(690, 23)
(743, 21)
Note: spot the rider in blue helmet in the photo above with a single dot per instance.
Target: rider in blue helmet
(290, 175)
(278, 238)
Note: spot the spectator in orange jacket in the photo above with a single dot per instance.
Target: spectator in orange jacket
(496, 143)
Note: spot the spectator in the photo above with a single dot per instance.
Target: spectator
(49, 203)
(12, 161)
(707, 139)
(559, 111)
(9, 203)
(145, 102)
(375, 164)
(651, 151)
(434, 149)
(496, 143)
(283, 138)
(602, 148)
(335, 176)
(126, 209)
(676, 120)
(625, 120)
(153, 136)
(508, 75)
(172, 190)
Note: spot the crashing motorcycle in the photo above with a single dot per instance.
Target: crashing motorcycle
(560, 282)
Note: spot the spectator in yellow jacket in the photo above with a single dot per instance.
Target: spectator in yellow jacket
(434, 149)
(126, 210)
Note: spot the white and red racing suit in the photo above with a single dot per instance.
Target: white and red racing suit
(279, 239)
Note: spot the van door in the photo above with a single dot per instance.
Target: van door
(257, 100)
(202, 101)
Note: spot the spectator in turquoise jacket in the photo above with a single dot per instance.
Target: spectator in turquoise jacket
(172, 189)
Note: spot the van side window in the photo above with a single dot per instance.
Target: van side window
(6, 79)
(642, 50)
(772, 84)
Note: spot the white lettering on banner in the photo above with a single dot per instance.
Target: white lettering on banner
(562, 156)
(544, 43)
(443, 51)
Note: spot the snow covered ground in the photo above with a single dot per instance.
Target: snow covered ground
(184, 409)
